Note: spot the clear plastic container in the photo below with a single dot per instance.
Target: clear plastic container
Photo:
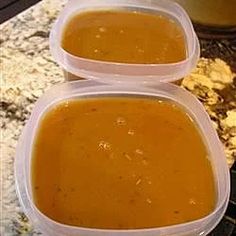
(86, 88)
(123, 79)
(123, 72)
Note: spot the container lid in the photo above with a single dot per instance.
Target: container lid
(111, 72)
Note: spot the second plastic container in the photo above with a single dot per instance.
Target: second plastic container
(77, 67)
(82, 89)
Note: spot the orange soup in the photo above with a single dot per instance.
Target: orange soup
(121, 163)
(124, 36)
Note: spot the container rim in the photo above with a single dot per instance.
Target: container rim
(125, 72)
(79, 88)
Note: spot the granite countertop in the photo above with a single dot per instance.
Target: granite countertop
(28, 70)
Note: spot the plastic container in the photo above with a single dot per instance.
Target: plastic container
(123, 79)
(85, 88)
(123, 72)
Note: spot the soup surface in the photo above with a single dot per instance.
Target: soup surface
(124, 36)
(121, 163)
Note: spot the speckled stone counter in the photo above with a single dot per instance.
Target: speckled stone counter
(27, 70)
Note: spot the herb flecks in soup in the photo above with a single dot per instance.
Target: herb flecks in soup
(121, 163)
(124, 36)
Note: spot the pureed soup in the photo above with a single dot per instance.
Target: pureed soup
(121, 163)
(124, 36)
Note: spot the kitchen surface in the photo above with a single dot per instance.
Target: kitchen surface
(28, 69)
